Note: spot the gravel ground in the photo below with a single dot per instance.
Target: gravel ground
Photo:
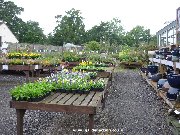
(132, 108)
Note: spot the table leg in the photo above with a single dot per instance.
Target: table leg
(38, 73)
(91, 124)
(32, 73)
(20, 114)
(27, 75)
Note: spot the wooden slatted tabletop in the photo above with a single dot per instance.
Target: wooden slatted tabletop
(63, 102)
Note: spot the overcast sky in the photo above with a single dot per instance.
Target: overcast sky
(151, 14)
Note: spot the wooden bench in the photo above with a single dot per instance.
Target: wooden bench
(26, 69)
(63, 102)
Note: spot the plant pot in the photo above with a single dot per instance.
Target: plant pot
(175, 58)
(86, 91)
(98, 89)
(20, 99)
(165, 49)
(166, 87)
(156, 77)
(144, 70)
(37, 99)
(172, 93)
(169, 57)
(160, 83)
(174, 80)
(152, 69)
(81, 91)
(157, 52)
(101, 70)
(75, 91)
(68, 91)
(175, 52)
(93, 77)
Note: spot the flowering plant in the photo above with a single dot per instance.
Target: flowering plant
(24, 55)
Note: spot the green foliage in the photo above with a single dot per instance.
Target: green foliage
(33, 33)
(71, 56)
(136, 36)
(111, 31)
(130, 55)
(70, 28)
(9, 13)
(27, 32)
(92, 46)
(31, 90)
(90, 68)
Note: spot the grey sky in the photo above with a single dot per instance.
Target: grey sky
(148, 13)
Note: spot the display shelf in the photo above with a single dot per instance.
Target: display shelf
(172, 104)
(178, 65)
(163, 62)
(156, 60)
(151, 59)
(169, 63)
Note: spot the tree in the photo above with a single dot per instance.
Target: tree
(70, 28)
(98, 33)
(137, 35)
(32, 33)
(111, 31)
(93, 46)
(9, 13)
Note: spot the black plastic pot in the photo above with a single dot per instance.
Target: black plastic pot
(37, 99)
(98, 89)
(86, 91)
(174, 80)
(166, 49)
(169, 57)
(20, 99)
(81, 91)
(172, 93)
(175, 52)
(153, 69)
(157, 52)
(144, 70)
(175, 59)
(156, 77)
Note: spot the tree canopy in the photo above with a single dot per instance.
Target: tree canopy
(28, 32)
(71, 28)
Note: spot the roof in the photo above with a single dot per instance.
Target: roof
(1, 22)
(167, 27)
(68, 45)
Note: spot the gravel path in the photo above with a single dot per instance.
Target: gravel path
(132, 108)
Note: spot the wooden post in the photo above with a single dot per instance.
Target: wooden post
(27, 75)
(162, 69)
(38, 72)
(91, 124)
(32, 71)
(20, 114)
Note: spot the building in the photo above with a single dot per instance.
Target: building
(167, 35)
(6, 36)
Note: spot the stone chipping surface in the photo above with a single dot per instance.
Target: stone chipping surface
(131, 108)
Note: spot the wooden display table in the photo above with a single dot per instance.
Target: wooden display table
(130, 64)
(24, 68)
(63, 102)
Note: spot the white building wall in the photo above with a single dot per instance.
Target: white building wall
(7, 35)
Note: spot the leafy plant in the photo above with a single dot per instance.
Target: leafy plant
(71, 57)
